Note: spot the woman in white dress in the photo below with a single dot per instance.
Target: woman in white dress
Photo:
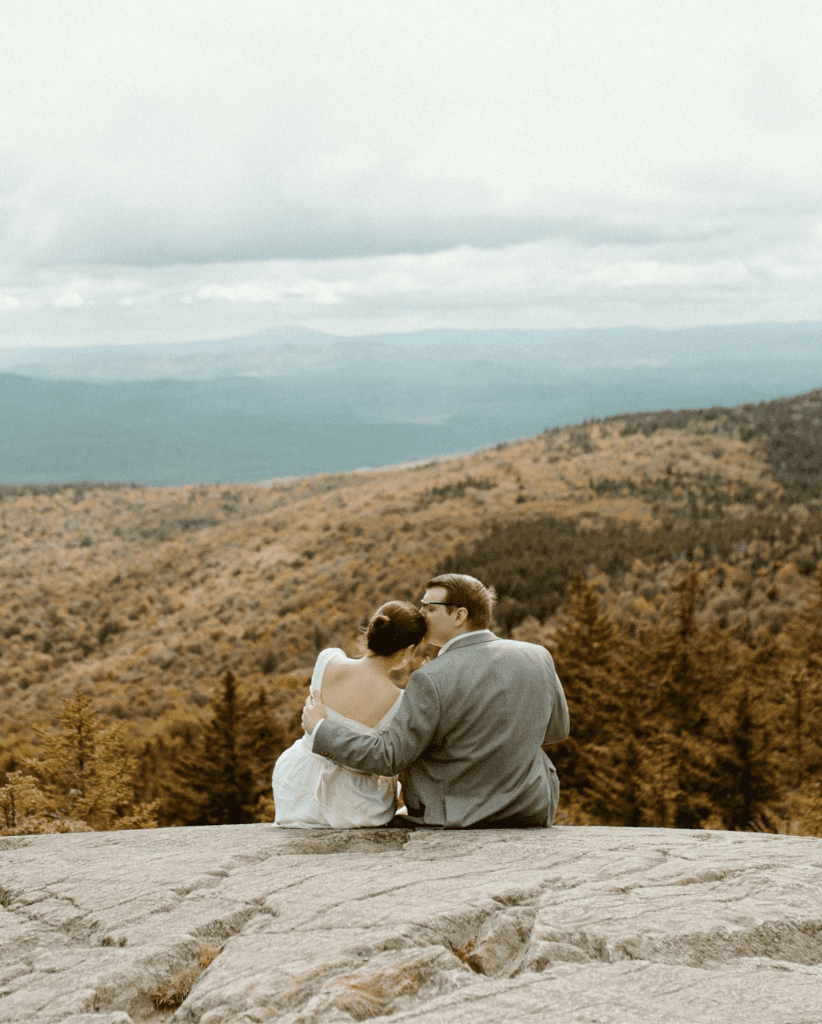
(309, 790)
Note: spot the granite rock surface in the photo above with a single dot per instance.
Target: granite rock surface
(253, 923)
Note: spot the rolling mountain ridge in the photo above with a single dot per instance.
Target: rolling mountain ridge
(276, 405)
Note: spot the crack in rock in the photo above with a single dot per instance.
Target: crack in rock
(562, 925)
(13, 842)
(327, 841)
(156, 982)
(386, 982)
(7, 897)
(491, 938)
(790, 941)
(422, 961)
(502, 943)
(133, 988)
(57, 912)
(212, 880)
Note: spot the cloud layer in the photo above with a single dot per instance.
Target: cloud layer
(363, 166)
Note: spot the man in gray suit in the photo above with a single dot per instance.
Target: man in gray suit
(472, 724)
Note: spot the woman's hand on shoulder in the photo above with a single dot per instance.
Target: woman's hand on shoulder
(313, 713)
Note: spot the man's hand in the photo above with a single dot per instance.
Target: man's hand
(313, 712)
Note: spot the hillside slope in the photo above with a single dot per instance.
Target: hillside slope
(146, 596)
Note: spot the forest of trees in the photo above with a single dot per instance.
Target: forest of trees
(84, 780)
(677, 722)
(81, 782)
(156, 645)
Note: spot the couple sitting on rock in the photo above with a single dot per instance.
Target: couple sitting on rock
(467, 732)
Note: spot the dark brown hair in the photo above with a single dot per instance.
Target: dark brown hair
(468, 593)
(393, 626)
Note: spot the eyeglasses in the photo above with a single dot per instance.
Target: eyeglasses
(430, 604)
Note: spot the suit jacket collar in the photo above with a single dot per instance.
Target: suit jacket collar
(482, 636)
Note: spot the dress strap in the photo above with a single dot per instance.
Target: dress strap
(319, 667)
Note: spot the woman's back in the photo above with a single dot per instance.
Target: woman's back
(313, 792)
(356, 689)
(309, 790)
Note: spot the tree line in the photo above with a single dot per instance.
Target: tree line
(533, 561)
(212, 773)
(676, 721)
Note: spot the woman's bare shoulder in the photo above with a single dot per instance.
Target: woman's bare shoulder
(342, 673)
(338, 664)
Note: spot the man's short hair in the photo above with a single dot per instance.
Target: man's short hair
(467, 592)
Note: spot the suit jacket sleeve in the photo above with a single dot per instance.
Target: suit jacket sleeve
(559, 724)
(391, 751)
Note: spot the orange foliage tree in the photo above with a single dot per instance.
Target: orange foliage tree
(82, 779)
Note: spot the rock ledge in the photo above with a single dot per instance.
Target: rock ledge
(258, 924)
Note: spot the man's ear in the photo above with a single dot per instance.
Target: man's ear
(461, 617)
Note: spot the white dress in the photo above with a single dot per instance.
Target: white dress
(312, 792)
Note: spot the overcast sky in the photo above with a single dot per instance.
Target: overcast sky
(175, 170)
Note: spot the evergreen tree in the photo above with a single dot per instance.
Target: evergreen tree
(686, 667)
(743, 781)
(83, 778)
(620, 790)
(676, 656)
(267, 739)
(630, 787)
(224, 776)
(661, 758)
(802, 653)
(591, 660)
(24, 808)
(803, 810)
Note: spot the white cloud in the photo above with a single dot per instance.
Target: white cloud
(638, 273)
(248, 291)
(537, 164)
(69, 300)
(322, 293)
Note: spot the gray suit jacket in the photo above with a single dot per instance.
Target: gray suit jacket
(469, 735)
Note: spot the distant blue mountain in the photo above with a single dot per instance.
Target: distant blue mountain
(301, 403)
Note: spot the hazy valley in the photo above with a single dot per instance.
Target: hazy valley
(295, 403)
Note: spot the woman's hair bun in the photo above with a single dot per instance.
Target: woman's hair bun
(394, 626)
